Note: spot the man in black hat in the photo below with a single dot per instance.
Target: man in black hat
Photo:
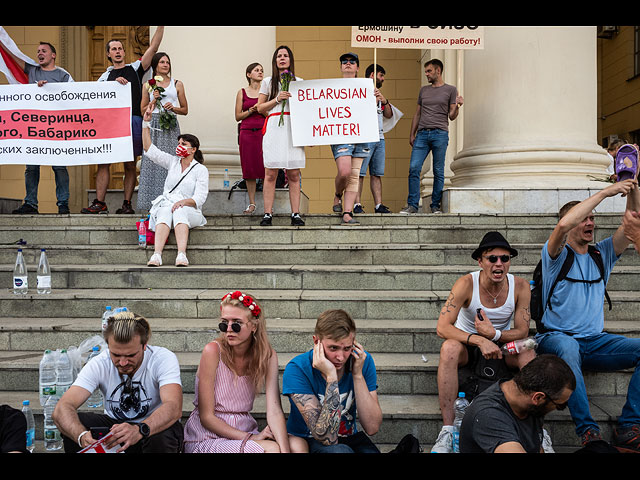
(485, 309)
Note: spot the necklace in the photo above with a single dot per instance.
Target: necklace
(495, 299)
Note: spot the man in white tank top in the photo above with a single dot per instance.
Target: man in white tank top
(503, 300)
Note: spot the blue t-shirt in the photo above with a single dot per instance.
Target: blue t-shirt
(577, 308)
(301, 378)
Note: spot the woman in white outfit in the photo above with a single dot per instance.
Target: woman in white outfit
(185, 191)
(277, 145)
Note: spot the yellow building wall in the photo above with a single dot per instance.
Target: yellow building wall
(316, 52)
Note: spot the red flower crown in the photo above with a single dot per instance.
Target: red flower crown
(246, 300)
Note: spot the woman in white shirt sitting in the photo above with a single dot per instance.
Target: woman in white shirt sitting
(185, 191)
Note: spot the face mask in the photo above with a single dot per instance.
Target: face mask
(181, 151)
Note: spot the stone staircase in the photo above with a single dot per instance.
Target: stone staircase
(392, 273)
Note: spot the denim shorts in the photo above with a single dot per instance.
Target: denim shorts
(136, 135)
(375, 161)
(357, 150)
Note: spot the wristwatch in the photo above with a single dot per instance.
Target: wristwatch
(144, 429)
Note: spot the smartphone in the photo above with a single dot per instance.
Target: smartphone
(479, 312)
(98, 432)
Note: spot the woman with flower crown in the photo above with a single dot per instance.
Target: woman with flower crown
(233, 367)
(185, 190)
(168, 96)
(278, 151)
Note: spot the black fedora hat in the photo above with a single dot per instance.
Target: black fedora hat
(493, 240)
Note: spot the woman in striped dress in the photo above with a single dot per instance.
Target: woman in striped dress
(232, 369)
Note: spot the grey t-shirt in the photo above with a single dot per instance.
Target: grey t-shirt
(434, 103)
(36, 73)
(489, 422)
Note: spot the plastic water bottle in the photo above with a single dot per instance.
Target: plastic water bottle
(47, 381)
(31, 425)
(20, 280)
(52, 437)
(459, 407)
(95, 400)
(226, 178)
(517, 346)
(105, 317)
(142, 234)
(64, 373)
(44, 274)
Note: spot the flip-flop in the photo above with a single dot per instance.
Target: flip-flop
(626, 162)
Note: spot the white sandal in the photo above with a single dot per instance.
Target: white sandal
(155, 260)
(181, 260)
(250, 209)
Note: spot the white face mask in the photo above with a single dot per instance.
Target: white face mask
(181, 151)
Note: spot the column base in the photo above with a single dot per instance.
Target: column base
(519, 200)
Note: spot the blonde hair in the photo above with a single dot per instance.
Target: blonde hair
(260, 350)
(335, 324)
(123, 326)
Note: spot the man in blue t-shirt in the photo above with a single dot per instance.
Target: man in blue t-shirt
(574, 323)
(331, 384)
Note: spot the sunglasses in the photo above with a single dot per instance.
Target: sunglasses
(236, 327)
(559, 406)
(494, 258)
(351, 61)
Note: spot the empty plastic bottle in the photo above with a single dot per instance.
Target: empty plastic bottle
(52, 438)
(43, 283)
(517, 346)
(95, 400)
(64, 373)
(142, 233)
(459, 407)
(47, 381)
(31, 425)
(105, 317)
(226, 178)
(20, 278)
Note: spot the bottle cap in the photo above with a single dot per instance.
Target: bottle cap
(25, 402)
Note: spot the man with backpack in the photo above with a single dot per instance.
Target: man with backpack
(571, 322)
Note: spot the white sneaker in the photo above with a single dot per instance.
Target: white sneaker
(444, 442)
(546, 442)
(155, 260)
(181, 260)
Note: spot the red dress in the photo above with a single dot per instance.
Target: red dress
(250, 141)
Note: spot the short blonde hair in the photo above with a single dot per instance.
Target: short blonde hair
(335, 324)
(123, 326)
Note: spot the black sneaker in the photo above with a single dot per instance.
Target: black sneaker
(126, 208)
(382, 209)
(266, 220)
(627, 439)
(96, 207)
(63, 209)
(296, 220)
(358, 208)
(25, 209)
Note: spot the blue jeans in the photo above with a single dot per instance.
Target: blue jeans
(32, 179)
(432, 140)
(605, 353)
(358, 443)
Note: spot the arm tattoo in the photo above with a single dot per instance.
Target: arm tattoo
(561, 246)
(449, 306)
(322, 420)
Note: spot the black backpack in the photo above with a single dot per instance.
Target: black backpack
(537, 308)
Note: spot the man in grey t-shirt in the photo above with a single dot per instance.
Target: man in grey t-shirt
(438, 103)
(45, 72)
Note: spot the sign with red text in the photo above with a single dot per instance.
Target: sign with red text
(333, 111)
(75, 123)
(439, 37)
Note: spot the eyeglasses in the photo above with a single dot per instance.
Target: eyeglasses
(559, 406)
(494, 258)
(236, 327)
(351, 61)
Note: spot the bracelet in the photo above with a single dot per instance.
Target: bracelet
(497, 336)
(469, 337)
(146, 124)
(80, 436)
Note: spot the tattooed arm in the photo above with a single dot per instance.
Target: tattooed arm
(459, 297)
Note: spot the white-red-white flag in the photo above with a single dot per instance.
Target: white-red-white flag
(8, 65)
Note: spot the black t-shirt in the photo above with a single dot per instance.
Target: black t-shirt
(133, 73)
(13, 430)
(489, 422)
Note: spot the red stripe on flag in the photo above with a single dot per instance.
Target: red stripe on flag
(15, 70)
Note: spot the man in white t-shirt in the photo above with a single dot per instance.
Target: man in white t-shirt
(476, 318)
(142, 394)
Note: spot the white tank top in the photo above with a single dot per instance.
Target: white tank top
(500, 317)
(170, 95)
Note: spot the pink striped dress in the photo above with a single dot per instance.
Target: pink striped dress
(234, 400)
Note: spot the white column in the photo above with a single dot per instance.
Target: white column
(530, 122)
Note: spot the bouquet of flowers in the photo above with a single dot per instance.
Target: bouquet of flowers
(285, 80)
(167, 120)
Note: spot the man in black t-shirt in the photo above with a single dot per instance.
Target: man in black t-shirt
(508, 416)
(125, 73)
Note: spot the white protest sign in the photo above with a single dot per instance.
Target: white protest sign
(75, 123)
(333, 111)
(99, 446)
(440, 37)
